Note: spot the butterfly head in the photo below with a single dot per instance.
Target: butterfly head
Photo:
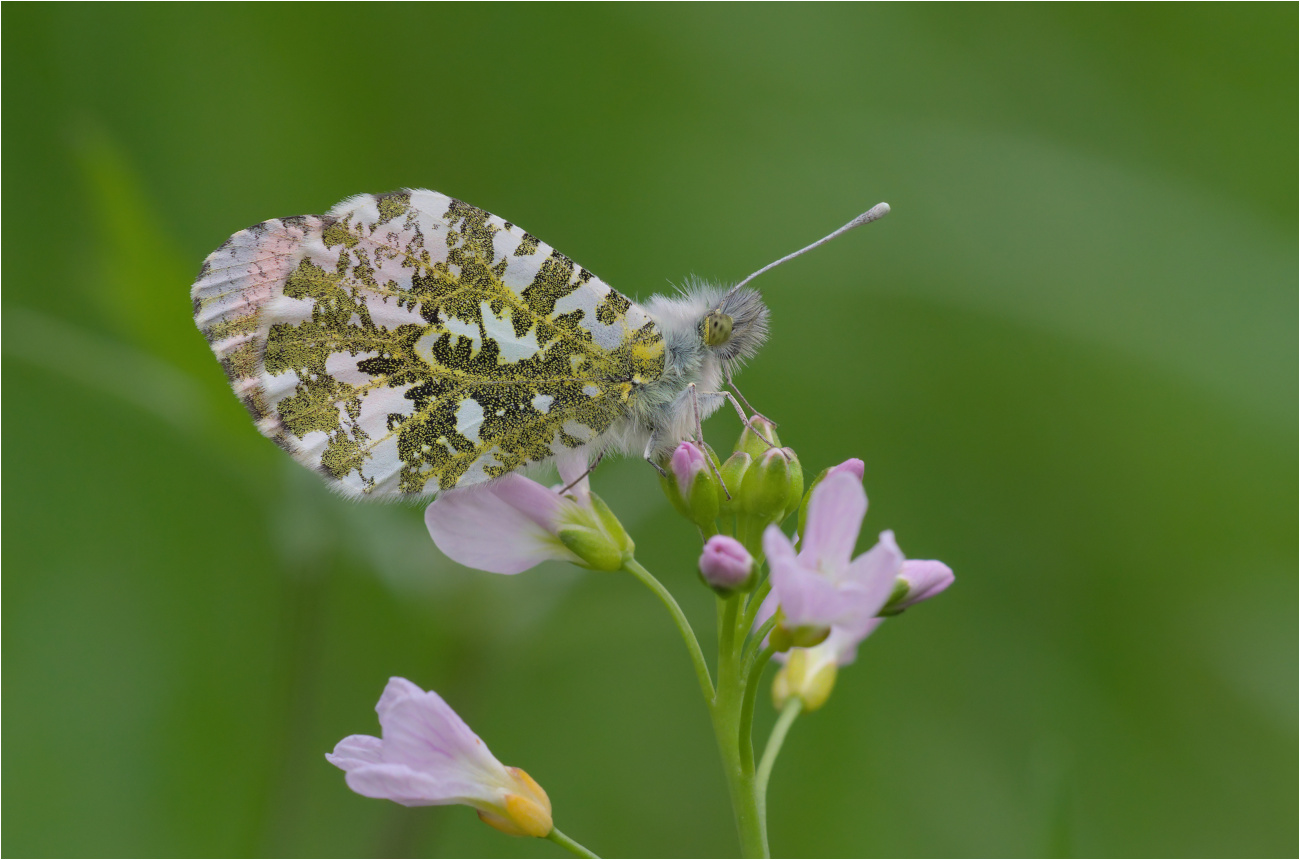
(736, 326)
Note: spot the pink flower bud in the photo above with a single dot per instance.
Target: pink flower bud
(852, 466)
(686, 463)
(725, 564)
(924, 579)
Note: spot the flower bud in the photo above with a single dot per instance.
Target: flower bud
(808, 674)
(526, 812)
(733, 475)
(766, 490)
(755, 443)
(690, 484)
(918, 580)
(852, 466)
(725, 565)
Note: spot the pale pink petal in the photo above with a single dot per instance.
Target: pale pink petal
(835, 514)
(777, 547)
(356, 751)
(423, 732)
(873, 575)
(395, 691)
(500, 528)
(807, 598)
(409, 787)
(844, 641)
(573, 467)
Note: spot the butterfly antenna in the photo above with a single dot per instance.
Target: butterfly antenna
(880, 210)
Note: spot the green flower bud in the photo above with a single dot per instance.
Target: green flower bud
(765, 490)
(733, 475)
(754, 444)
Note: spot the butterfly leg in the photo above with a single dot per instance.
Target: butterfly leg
(699, 437)
(590, 469)
(731, 383)
(650, 447)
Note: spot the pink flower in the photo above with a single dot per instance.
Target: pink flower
(429, 757)
(513, 523)
(725, 564)
(823, 585)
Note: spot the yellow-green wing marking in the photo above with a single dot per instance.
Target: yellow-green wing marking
(407, 343)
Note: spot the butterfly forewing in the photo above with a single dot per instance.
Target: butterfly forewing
(407, 343)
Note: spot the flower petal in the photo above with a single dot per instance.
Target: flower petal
(503, 527)
(356, 751)
(574, 467)
(844, 641)
(395, 691)
(423, 732)
(873, 574)
(835, 514)
(410, 787)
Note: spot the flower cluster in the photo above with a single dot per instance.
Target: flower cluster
(804, 598)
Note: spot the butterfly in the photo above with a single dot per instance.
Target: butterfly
(408, 343)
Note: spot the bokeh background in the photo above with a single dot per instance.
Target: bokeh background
(1068, 358)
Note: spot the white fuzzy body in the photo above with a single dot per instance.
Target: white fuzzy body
(663, 412)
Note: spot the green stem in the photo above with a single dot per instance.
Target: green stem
(565, 842)
(756, 601)
(788, 714)
(754, 672)
(634, 567)
(737, 755)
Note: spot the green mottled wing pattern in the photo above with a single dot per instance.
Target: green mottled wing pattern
(408, 343)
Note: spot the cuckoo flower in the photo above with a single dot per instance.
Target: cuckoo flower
(513, 523)
(823, 586)
(429, 757)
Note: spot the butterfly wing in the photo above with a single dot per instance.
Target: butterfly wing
(408, 343)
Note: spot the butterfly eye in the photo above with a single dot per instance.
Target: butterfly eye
(717, 328)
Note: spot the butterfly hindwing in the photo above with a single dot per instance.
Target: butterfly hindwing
(407, 343)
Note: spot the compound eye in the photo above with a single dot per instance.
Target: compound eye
(717, 328)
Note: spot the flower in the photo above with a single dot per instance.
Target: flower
(513, 523)
(725, 564)
(823, 586)
(429, 757)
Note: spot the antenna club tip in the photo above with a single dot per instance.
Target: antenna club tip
(880, 210)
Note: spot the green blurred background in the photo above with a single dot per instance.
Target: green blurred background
(1068, 359)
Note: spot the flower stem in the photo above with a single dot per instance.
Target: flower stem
(634, 567)
(570, 845)
(753, 671)
(774, 741)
